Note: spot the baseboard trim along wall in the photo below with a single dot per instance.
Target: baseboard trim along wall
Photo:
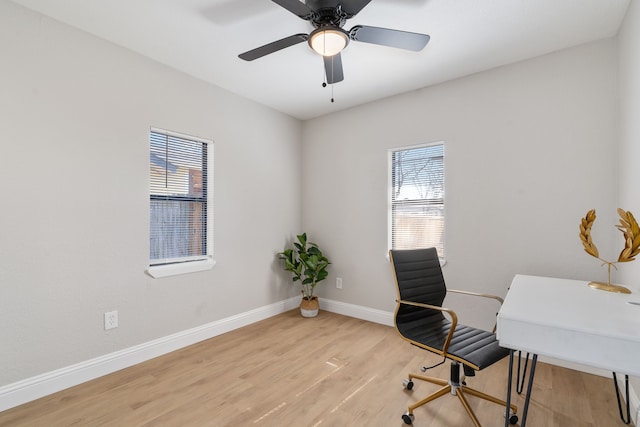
(358, 311)
(39, 386)
(33, 388)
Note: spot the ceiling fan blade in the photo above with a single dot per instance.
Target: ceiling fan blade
(388, 37)
(352, 7)
(296, 7)
(333, 68)
(275, 46)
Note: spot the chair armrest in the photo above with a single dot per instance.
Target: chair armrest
(475, 294)
(451, 313)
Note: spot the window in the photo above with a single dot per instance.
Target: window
(417, 197)
(180, 210)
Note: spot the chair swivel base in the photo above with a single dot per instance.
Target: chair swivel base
(457, 388)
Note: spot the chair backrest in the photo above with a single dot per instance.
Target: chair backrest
(419, 279)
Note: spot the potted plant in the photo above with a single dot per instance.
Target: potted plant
(309, 266)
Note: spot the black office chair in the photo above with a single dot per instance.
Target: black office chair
(421, 320)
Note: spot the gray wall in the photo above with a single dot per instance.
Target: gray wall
(530, 148)
(75, 114)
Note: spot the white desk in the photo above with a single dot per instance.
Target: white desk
(568, 320)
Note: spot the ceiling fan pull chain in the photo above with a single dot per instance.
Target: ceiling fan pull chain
(332, 79)
(324, 79)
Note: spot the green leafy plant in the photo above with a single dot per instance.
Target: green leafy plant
(307, 263)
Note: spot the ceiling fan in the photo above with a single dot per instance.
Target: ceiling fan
(329, 38)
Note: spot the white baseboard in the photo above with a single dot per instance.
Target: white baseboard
(24, 391)
(358, 311)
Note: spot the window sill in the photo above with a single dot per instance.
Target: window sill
(160, 271)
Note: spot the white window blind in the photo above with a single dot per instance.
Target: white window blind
(178, 177)
(417, 198)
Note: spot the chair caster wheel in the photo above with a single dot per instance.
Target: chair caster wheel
(408, 418)
(408, 384)
(513, 420)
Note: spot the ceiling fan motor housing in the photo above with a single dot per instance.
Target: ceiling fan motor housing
(333, 17)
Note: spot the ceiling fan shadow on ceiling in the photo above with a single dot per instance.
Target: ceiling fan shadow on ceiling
(328, 39)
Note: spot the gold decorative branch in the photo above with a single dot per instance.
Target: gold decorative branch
(631, 231)
(585, 234)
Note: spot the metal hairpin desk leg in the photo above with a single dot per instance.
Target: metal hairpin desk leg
(626, 420)
(534, 360)
(626, 386)
(520, 379)
(523, 421)
(509, 380)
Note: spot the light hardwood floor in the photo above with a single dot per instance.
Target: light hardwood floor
(327, 371)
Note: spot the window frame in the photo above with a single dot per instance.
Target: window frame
(199, 263)
(390, 184)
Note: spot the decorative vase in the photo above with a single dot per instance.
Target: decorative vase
(309, 307)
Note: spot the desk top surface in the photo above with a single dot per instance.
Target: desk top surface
(574, 305)
(568, 319)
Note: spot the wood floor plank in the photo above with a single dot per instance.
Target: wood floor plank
(326, 371)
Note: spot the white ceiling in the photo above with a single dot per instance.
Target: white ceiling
(204, 37)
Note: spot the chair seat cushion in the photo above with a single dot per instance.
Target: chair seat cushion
(475, 347)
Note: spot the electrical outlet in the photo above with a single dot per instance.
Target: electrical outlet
(339, 282)
(110, 320)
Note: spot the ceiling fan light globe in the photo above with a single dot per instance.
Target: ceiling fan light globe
(328, 41)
